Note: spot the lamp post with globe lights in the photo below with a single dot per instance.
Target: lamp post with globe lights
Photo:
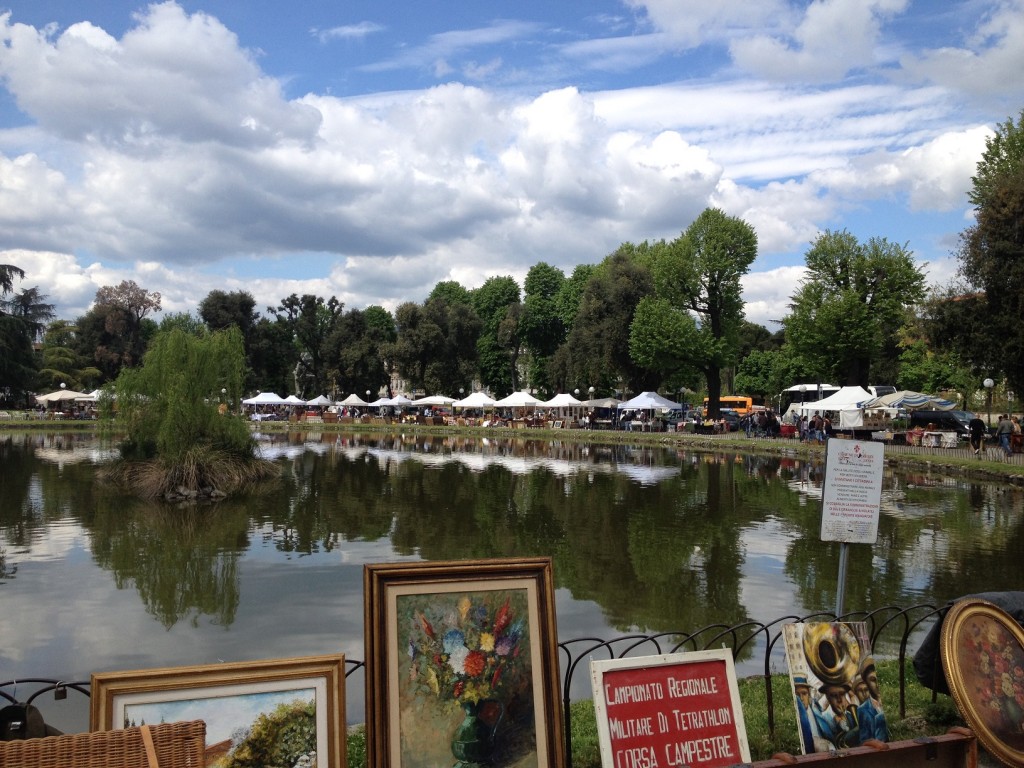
(988, 384)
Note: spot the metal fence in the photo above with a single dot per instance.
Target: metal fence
(894, 632)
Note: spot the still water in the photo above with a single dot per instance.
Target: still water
(643, 539)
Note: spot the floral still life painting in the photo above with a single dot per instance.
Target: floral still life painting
(466, 675)
(983, 659)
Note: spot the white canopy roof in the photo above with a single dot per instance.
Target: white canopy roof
(646, 401)
(432, 400)
(561, 400)
(400, 400)
(265, 398)
(294, 400)
(602, 402)
(59, 395)
(474, 400)
(381, 401)
(518, 400)
(846, 398)
(353, 399)
(319, 400)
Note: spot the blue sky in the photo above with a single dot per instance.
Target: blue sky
(370, 150)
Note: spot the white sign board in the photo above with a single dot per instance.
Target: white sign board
(852, 492)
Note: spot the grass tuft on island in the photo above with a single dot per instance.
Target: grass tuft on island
(200, 472)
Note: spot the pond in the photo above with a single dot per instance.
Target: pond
(643, 539)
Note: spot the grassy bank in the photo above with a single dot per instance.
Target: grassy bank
(923, 718)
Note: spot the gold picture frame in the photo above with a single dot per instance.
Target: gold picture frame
(462, 664)
(234, 699)
(983, 658)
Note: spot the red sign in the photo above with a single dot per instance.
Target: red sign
(670, 715)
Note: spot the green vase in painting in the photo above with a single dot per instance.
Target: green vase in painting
(474, 738)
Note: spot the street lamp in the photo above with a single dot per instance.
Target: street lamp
(803, 392)
(988, 384)
(591, 391)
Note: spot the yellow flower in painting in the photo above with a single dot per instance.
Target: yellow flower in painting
(464, 606)
(432, 680)
(486, 642)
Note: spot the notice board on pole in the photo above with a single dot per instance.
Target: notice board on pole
(669, 711)
(852, 494)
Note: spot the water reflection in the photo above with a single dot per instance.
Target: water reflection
(643, 538)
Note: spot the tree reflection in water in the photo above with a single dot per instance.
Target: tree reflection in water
(183, 560)
(663, 540)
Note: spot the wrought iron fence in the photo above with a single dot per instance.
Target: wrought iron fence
(755, 646)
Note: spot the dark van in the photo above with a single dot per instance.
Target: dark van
(944, 421)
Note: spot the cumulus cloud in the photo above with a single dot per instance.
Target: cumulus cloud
(167, 155)
(987, 64)
(833, 38)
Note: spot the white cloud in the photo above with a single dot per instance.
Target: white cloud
(348, 31)
(833, 38)
(168, 156)
(989, 63)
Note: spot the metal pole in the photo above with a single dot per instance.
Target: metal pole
(844, 550)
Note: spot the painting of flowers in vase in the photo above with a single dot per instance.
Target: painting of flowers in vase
(466, 679)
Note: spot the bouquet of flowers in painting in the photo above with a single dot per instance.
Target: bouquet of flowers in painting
(471, 647)
(835, 685)
(465, 674)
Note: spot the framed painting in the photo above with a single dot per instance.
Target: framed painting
(273, 712)
(462, 665)
(983, 658)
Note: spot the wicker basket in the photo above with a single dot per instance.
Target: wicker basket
(174, 745)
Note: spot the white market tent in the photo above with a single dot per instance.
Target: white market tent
(518, 400)
(60, 395)
(648, 401)
(474, 400)
(294, 400)
(401, 401)
(602, 402)
(381, 401)
(847, 402)
(265, 398)
(911, 401)
(319, 400)
(845, 399)
(562, 400)
(433, 401)
(353, 399)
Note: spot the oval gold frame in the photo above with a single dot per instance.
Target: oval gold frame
(980, 644)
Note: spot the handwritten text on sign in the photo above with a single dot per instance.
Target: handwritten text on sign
(671, 715)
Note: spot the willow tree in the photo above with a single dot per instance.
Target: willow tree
(180, 438)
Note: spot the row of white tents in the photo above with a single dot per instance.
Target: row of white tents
(851, 403)
(643, 401)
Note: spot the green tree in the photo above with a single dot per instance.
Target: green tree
(272, 356)
(115, 330)
(699, 273)
(663, 339)
(357, 349)
(436, 345)
(851, 304)
(498, 347)
(8, 274)
(541, 324)
(62, 362)
(168, 409)
(311, 321)
(991, 256)
(597, 350)
(18, 363)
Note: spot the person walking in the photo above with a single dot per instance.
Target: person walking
(977, 428)
(1003, 432)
